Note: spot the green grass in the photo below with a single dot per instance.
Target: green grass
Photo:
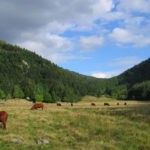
(81, 127)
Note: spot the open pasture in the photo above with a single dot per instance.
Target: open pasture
(81, 127)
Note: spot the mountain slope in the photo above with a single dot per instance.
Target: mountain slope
(138, 73)
(136, 81)
(25, 74)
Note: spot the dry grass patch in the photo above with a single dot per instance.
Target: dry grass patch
(79, 127)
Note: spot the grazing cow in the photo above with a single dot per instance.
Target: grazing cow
(117, 103)
(106, 104)
(58, 104)
(3, 118)
(125, 103)
(71, 104)
(37, 105)
(93, 104)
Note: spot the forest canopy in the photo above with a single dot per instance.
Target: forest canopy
(24, 74)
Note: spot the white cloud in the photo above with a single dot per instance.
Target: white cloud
(125, 62)
(132, 28)
(102, 6)
(58, 27)
(45, 41)
(19, 16)
(41, 27)
(61, 15)
(90, 42)
(100, 75)
(33, 45)
(48, 52)
(113, 16)
(105, 74)
(142, 6)
(60, 57)
(124, 36)
(59, 43)
(50, 46)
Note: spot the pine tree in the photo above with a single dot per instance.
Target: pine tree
(18, 93)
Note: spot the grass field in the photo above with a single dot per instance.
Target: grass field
(81, 127)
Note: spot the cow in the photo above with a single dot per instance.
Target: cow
(37, 105)
(71, 104)
(93, 104)
(58, 104)
(117, 103)
(106, 104)
(3, 118)
(125, 103)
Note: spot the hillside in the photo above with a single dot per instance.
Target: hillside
(137, 81)
(24, 74)
(138, 73)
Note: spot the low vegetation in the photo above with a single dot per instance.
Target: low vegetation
(81, 127)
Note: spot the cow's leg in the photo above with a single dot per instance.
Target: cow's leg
(4, 125)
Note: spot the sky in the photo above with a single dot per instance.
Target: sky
(99, 38)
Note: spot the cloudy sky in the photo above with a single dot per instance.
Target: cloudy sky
(100, 38)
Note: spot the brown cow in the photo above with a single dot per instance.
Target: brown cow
(93, 104)
(106, 104)
(3, 118)
(58, 104)
(117, 103)
(125, 103)
(71, 104)
(37, 105)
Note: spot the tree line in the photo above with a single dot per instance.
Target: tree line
(24, 74)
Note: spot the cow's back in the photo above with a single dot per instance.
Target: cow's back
(3, 116)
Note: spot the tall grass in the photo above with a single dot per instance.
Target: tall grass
(77, 127)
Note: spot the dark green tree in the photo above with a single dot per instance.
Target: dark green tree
(39, 92)
(18, 93)
(47, 98)
(120, 92)
(2, 94)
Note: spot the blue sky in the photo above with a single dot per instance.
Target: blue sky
(100, 38)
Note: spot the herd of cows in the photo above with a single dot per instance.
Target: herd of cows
(4, 114)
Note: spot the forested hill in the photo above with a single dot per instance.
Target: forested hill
(138, 73)
(137, 81)
(133, 83)
(24, 74)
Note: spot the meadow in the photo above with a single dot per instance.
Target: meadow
(81, 127)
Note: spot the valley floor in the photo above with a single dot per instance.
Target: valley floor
(80, 127)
